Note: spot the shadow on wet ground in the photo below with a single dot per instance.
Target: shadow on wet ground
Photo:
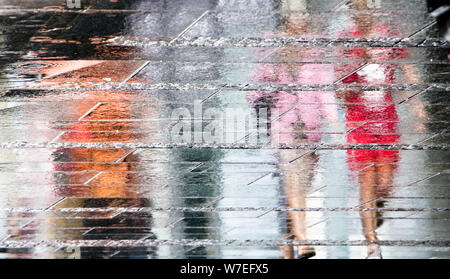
(223, 129)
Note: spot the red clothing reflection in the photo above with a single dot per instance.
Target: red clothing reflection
(371, 124)
(371, 117)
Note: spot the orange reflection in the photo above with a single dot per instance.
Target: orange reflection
(90, 177)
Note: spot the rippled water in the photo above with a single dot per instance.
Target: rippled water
(349, 107)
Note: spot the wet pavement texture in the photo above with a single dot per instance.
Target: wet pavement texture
(358, 160)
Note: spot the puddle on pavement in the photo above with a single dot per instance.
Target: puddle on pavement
(62, 83)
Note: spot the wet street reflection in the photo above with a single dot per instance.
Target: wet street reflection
(223, 129)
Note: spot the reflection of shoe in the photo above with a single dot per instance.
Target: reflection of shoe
(375, 254)
(306, 253)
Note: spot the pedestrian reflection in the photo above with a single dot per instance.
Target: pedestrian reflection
(372, 123)
(300, 123)
(301, 116)
(371, 118)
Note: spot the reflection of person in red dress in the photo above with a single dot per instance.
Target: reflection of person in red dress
(372, 124)
(371, 118)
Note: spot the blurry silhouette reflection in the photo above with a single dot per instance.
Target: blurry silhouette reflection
(371, 118)
(375, 168)
(301, 116)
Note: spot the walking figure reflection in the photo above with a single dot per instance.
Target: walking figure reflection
(371, 118)
(301, 116)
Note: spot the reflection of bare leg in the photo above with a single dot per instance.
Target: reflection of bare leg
(375, 184)
(368, 197)
(287, 251)
(385, 178)
(297, 176)
(296, 200)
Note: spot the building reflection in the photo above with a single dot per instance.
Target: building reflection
(108, 178)
(101, 178)
(89, 177)
(116, 184)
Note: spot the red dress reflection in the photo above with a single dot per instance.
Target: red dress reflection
(371, 118)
